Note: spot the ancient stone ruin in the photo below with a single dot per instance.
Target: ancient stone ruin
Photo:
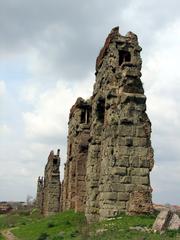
(49, 187)
(109, 155)
(74, 184)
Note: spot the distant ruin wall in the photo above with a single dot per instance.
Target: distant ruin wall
(52, 185)
(49, 190)
(74, 189)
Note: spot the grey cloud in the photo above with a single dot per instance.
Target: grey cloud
(65, 33)
(24, 22)
(68, 35)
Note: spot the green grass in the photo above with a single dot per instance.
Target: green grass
(119, 229)
(69, 225)
(61, 226)
(18, 219)
(1, 237)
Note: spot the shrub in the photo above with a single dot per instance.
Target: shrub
(58, 238)
(172, 233)
(68, 223)
(43, 236)
(23, 212)
(74, 234)
(50, 225)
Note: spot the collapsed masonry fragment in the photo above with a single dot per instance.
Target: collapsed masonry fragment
(166, 219)
(109, 156)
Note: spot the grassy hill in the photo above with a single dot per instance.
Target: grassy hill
(69, 225)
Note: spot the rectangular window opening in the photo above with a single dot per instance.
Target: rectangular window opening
(83, 116)
(124, 56)
(54, 161)
(100, 110)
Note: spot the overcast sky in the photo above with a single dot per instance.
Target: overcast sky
(47, 59)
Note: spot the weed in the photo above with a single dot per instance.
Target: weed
(172, 233)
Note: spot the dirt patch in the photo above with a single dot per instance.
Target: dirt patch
(8, 235)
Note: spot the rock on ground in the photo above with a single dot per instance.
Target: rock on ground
(166, 220)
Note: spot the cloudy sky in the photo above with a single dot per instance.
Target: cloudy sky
(47, 59)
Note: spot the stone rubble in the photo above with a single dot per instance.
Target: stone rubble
(166, 219)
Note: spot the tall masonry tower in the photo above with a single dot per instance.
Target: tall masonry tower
(120, 156)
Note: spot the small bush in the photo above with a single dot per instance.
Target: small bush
(172, 233)
(58, 238)
(36, 213)
(43, 236)
(74, 234)
(23, 212)
(34, 210)
(51, 224)
(68, 223)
